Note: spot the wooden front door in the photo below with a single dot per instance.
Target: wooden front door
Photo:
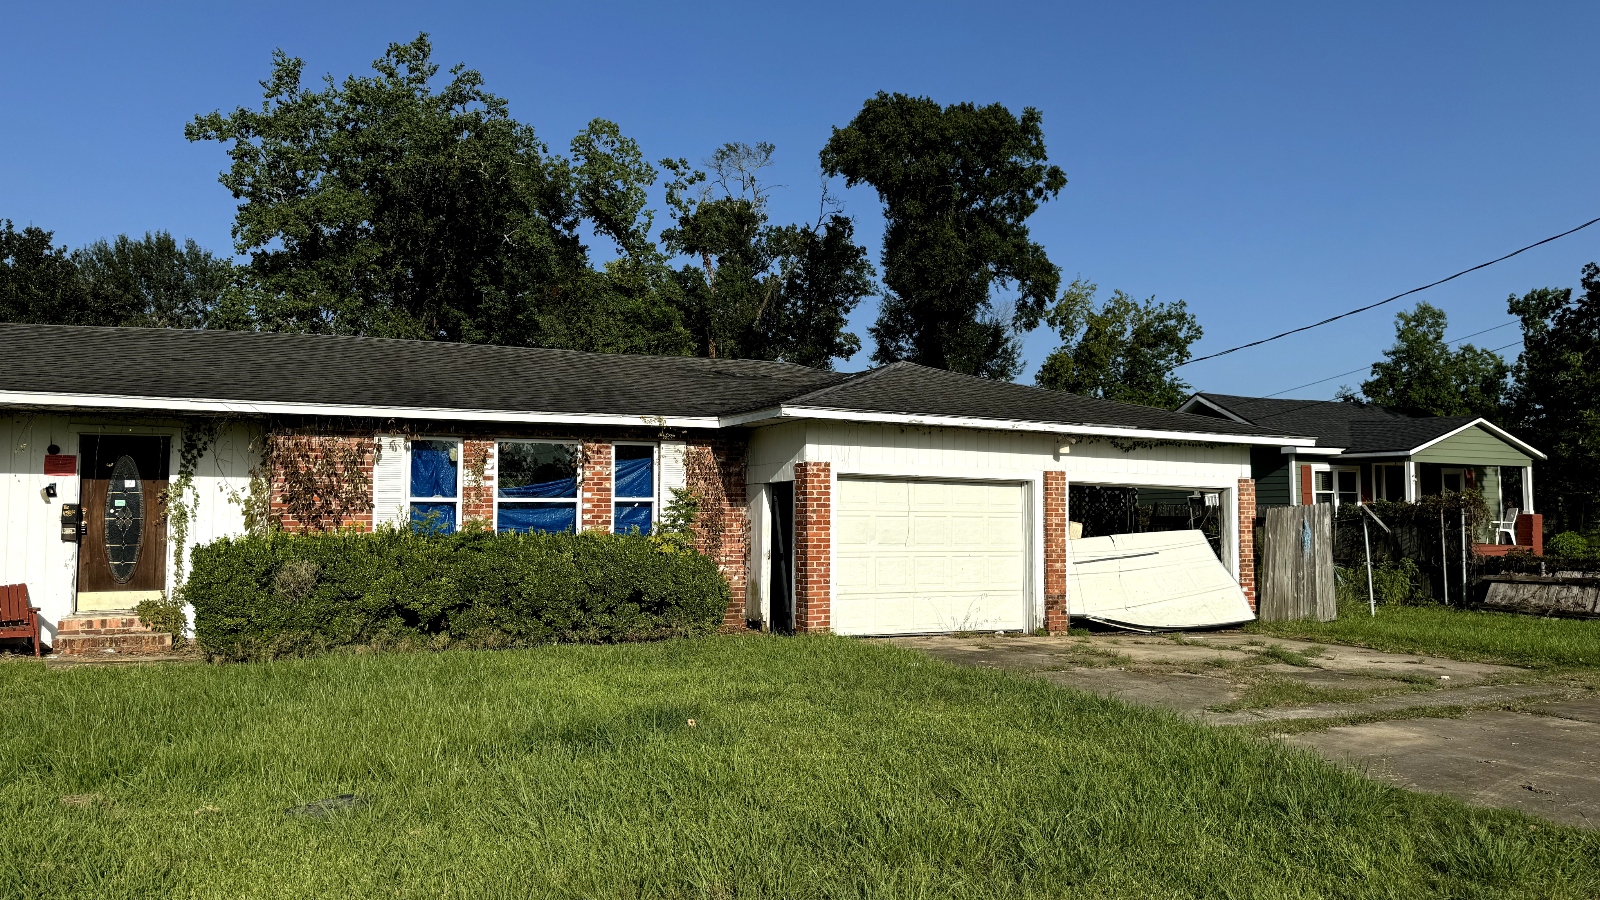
(122, 558)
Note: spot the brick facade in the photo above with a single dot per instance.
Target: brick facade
(317, 466)
(1247, 539)
(477, 481)
(813, 546)
(715, 469)
(1055, 552)
(594, 506)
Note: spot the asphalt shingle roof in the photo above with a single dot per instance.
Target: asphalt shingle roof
(1358, 428)
(910, 389)
(324, 370)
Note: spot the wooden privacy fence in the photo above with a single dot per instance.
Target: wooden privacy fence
(1297, 564)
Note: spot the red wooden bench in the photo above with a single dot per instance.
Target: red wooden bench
(17, 618)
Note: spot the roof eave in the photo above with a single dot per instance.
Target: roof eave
(789, 412)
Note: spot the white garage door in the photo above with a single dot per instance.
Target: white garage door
(928, 556)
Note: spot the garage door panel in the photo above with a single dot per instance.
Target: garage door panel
(937, 556)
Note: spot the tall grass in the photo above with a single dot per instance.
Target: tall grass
(1455, 633)
(814, 767)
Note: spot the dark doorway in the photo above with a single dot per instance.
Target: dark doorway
(780, 499)
(124, 546)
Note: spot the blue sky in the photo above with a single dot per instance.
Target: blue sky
(1269, 163)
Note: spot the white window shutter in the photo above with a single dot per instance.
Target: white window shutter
(674, 468)
(389, 482)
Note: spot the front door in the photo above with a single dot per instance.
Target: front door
(122, 558)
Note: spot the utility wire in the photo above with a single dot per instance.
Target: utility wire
(1364, 368)
(1390, 299)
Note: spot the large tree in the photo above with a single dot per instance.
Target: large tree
(1420, 374)
(958, 184)
(383, 206)
(1123, 350)
(155, 282)
(38, 280)
(1554, 395)
(760, 290)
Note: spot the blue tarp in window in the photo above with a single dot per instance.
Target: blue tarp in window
(634, 471)
(433, 518)
(433, 472)
(629, 516)
(548, 517)
(537, 469)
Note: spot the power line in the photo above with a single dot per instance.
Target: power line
(1390, 299)
(1364, 368)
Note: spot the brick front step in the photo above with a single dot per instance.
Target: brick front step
(115, 624)
(128, 643)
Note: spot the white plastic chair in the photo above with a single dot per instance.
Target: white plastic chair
(1508, 527)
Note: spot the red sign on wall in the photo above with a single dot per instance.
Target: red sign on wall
(60, 464)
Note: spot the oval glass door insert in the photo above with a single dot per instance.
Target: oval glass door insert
(124, 519)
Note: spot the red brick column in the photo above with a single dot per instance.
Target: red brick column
(477, 482)
(1055, 552)
(1530, 532)
(1247, 539)
(813, 546)
(594, 507)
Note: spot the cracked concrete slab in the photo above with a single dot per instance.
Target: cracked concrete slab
(1542, 765)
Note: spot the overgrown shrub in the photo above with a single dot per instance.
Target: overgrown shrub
(1569, 544)
(280, 594)
(1393, 584)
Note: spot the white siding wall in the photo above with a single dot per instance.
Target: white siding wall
(31, 549)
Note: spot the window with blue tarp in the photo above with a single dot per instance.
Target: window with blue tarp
(435, 485)
(633, 487)
(536, 486)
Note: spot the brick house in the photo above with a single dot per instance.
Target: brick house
(898, 500)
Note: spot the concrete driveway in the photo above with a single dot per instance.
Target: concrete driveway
(1486, 734)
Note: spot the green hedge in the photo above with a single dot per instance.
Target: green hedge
(283, 594)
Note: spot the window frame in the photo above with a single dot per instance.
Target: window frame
(1379, 481)
(655, 482)
(412, 500)
(576, 499)
(1333, 482)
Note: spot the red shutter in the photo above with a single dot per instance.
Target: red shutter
(1307, 496)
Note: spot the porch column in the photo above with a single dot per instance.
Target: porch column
(1527, 489)
(1413, 489)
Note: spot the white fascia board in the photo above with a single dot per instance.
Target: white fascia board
(1197, 399)
(778, 413)
(252, 408)
(1311, 451)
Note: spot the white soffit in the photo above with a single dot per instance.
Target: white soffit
(1156, 581)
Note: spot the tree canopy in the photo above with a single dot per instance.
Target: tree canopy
(381, 206)
(1123, 350)
(1553, 398)
(760, 290)
(958, 184)
(1420, 374)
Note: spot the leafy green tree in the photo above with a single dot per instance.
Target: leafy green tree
(958, 184)
(1554, 395)
(761, 291)
(153, 282)
(38, 281)
(381, 206)
(1422, 375)
(1123, 350)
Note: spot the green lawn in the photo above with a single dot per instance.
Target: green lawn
(816, 767)
(1455, 633)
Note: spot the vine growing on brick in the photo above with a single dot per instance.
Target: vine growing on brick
(320, 481)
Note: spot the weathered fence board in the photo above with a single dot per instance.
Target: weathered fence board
(1297, 564)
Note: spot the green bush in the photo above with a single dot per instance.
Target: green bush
(281, 594)
(1569, 544)
(1393, 583)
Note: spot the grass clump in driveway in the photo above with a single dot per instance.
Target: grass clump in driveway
(1455, 633)
(718, 767)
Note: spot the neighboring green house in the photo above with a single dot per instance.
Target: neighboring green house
(1366, 452)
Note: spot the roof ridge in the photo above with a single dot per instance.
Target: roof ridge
(851, 378)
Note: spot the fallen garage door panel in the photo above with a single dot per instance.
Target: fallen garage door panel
(1153, 581)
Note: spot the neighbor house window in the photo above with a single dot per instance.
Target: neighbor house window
(536, 487)
(633, 488)
(435, 485)
(1337, 486)
(1389, 482)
